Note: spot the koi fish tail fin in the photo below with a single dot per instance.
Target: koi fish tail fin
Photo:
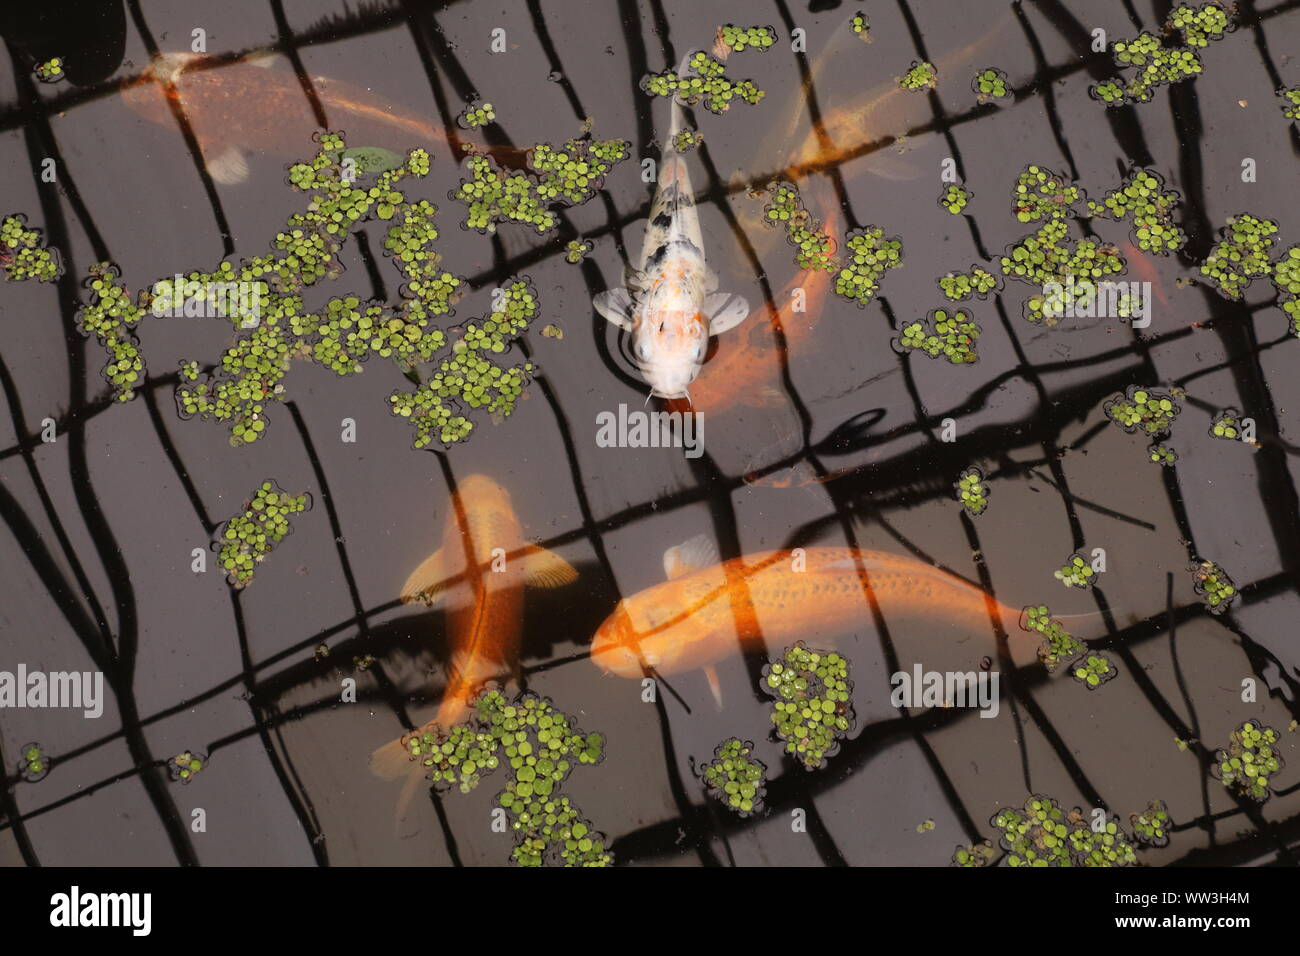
(393, 761)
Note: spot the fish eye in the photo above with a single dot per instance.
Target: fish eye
(643, 349)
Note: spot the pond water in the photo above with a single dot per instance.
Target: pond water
(840, 438)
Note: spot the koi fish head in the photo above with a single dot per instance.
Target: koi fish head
(668, 347)
(645, 631)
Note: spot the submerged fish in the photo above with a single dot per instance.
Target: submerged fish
(484, 604)
(670, 306)
(706, 610)
(246, 105)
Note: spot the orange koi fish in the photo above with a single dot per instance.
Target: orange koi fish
(479, 573)
(1145, 269)
(247, 105)
(695, 618)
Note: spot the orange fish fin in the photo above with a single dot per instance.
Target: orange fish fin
(428, 582)
(715, 685)
(546, 569)
(698, 552)
(393, 761)
(228, 167)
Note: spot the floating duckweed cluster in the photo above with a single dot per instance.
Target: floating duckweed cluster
(1046, 835)
(687, 140)
(186, 766)
(735, 778)
(570, 174)
(1199, 25)
(860, 25)
(990, 84)
(1076, 572)
(1226, 425)
(813, 710)
(1142, 199)
(976, 855)
(362, 161)
(1242, 254)
(470, 373)
(1291, 306)
(553, 332)
(1156, 65)
(1041, 194)
(1250, 761)
(960, 286)
(813, 248)
(34, 764)
(921, 76)
(1214, 586)
(540, 746)
(871, 254)
(1163, 455)
(955, 198)
(576, 251)
(1093, 670)
(951, 335)
(707, 83)
(110, 316)
(22, 254)
(1290, 105)
(1069, 276)
(972, 491)
(736, 38)
(50, 71)
(247, 538)
(1150, 410)
(478, 115)
(1286, 272)
(1151, 827)
(1060, 647)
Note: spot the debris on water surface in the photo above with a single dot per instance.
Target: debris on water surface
(735, 778)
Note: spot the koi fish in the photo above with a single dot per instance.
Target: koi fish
(479, 573)
(1145, 269)
(669, 305)
(695, 618)
(246, 105)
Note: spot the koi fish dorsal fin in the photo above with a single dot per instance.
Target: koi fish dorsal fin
(715, 685)
(691, 555)
(546, 569)
(725, 311)
(428, 582)
(615, 305)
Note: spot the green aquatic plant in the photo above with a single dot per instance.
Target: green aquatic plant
(186, 766)
(366, 161)
(960, 286)
(245, 540)
(1241, 255)
(860, 25)
(1199, 25)
(33, 764)
(735, 778)
(111, 316)
(785, 209)
(576, 251)
(1151, 827)
(990, 84)
(922, 75)
(975, 855)
(1045, 835)
(705, 82)
(539, 746)
(1150, 410)
(1076, 572)
(972, 491)
(1214, 586)
(1163, 455)
(1290, 105)
(687, 140)
(1093, 670)
(1286, 272)
(477, 115)
(871, 255)
(23, 255)
(1040, 194)
(1226, 425)
(1249, 762)
(1059, 645)
(955, 198)
(1142, 199)
(1154, 64)
(951, 335)
(813, 706)
(736, 39)
(50, 71)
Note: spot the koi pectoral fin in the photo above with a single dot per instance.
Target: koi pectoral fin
(428, 582)
(546, 569)
(693, 554)
(715, 685)
(615, 305)
(725, 311)
(229, 167)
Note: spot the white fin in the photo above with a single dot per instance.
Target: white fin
(168, 66)
(261, 58)
(725, 311)
(546, 569)
(427, 582)
(615, 305)
(693, 554)
(715, 686)
(229, 167)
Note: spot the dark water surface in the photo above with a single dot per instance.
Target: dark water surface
(98, 527)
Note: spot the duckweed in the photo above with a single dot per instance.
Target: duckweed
(23, 255)
(110, 315)
(1249, 762)
(1044, 834)
(736, 38)
(1290, 105)
(922, 75)
(976, 855)
(576, 251)
(1151, 827)
(1149, 410)
(477, 115)
(1093, 670)
(1241, 255)
(1214, 586)
(990, 84)
(186, 766)
(1041, 194)
(1059, 647)
(1076, 572)
(1154, 64)
(735, 778)
(33, 764)
(246, 539)
(1142, 199)
(860, 25)
(50, 71)
(871, 255)
(540, 746)
(955, 198)
(1286, 272)
(1199, 25)
(706, 82)
(1226, 425)
(951, 335)
(972, 491)
(687, 140)
(1163, 455)
(960, 286)
(813, 248)
(813, 707)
